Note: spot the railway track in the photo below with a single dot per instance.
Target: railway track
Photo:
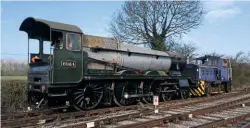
(150, 119)
(129, 112)
(245, 123)
(222, 116)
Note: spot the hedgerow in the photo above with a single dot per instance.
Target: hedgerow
(13, 95)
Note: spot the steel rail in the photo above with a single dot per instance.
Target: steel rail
(43, 114)
(101, 122)
(17, 115)
(226, 121)
(223, 122)
(176, 117)
(88, 115)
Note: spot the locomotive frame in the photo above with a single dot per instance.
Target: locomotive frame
(64, 78)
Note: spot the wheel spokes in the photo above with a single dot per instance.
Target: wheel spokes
(122, 89)
(81, 95)
(148, 89)
(88, 97)
(166, 96)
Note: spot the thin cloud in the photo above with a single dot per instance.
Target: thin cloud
(221, 10)
(188, 38)
(105, 18)
(214, 4)
(222, 14)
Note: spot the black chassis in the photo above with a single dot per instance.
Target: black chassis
(59, 94)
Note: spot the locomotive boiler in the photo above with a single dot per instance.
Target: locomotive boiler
(130, 57)
(86, 71)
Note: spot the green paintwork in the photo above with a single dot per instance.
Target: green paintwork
(67, 74)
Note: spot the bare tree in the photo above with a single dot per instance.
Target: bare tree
(186, 49)
(214, 54)
(152, 22)
(13, 68)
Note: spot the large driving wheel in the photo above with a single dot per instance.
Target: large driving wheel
(88, 96)
(149, 89)
(121, 93)
(166, 96)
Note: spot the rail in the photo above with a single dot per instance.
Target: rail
(129, 112)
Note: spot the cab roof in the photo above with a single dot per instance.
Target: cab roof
(211, 57)
(36, 28)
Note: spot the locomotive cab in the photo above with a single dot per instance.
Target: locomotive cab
(214, 69)
(49, 70)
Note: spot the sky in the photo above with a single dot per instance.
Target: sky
(225, 29)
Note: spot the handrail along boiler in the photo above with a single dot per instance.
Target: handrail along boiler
(85, 71)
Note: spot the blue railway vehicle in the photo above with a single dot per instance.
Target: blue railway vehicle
(210, 74)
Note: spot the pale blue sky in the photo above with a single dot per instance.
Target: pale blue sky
(226, 27)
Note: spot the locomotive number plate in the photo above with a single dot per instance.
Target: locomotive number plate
(68, 63)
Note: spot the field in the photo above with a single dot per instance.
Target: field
(13, 77)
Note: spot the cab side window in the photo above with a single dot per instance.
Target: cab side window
(59, 43)
(73, 42)
(224, 63)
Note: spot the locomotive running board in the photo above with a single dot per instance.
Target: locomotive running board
(139, 95)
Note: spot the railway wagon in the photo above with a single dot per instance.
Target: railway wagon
(85, 71)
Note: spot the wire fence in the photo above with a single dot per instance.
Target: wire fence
(18, 54)
(14, 57)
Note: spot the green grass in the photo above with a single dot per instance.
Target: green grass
(13, 77)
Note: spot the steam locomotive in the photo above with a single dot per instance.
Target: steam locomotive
(86, 71)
